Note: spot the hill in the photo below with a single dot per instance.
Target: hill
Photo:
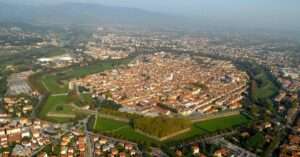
(82, 14)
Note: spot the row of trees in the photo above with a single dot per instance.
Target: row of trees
(118, 114)
(161, 126)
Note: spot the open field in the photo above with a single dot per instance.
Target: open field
(57, 52)
(53, 85)
(4, 52)
(57, 83)
(213, 125)
(266, 87)
(87, 97)
(95, 68)
(203, 127)
(121, 129)
(50, 107)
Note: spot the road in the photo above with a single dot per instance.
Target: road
(88, 142)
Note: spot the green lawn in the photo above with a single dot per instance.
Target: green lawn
(53, 85)
(267, 87)
(95, 68)
(51, 104)
(121, 129)
(4, 52)
(213, 125)
(57, 52)
(58, 84)
(104, 124)
(87, 97)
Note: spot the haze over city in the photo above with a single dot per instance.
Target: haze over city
(149, 78)
(274, 14)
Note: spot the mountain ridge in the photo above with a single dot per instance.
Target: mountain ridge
(83, 14)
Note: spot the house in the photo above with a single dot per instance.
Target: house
(114, 151)
(26, 143)
(27, 108)
(36, 133)
(24, 121)
(103, 141)
(266, 125)
(105, 148)
(128, 146)
(14, 138)
(13, 130)
(26, 133)
(122, 154)
(221, 152)
(195, 149)
(245, 134)
(98, 151)
(179, 153)
(43, 154)
(2, 132)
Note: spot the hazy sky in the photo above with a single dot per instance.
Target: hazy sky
(279, 14)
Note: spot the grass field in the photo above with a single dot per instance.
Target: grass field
(204, 127)
(57, 52)
(58, 84)
(87, 97)
(4, 52)
(50, 108)
(95, 68)
(213, 125)
(54, 86)
(266, 87)
(122, 129)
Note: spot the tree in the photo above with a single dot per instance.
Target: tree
(253, 91)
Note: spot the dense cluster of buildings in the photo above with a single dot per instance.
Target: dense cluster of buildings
(23, 135)
(105, 53)
(291, 147)
(58, 61)
(183, 83)
(107, 147)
